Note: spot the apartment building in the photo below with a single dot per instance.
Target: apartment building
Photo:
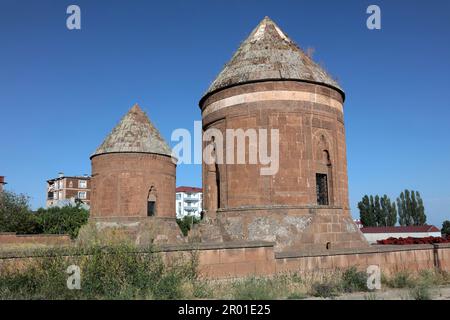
(189, 201)
(67, 189)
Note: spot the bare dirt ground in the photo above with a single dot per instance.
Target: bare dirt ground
(436, 293)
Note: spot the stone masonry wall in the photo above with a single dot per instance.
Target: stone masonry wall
(121, 183)
(309, 119)
(257, 258)
(283, 207)
(44, 239)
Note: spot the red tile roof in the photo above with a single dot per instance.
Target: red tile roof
(2, 179)
(188, 189)
(400, 229)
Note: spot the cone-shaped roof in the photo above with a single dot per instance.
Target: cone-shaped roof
(269, 54)
(134, 133)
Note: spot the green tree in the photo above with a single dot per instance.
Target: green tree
(446, 228)
(421, 216)
(15, 214)
(389, 212)
(365, 212)
(411, 209)
(392, 217)
(378, 212)
(65, 220)
(186, 223)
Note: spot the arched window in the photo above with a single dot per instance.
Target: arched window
(151, 202)
(324, 173)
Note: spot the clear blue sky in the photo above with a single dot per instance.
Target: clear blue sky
(62, 91)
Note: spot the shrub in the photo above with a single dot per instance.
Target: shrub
(296, 296)
(402, 279)
(420, 292)
(324, 289)
(354, 280)
(16, 216)
(254, 289)
(186, 223)
(65, 220)
(114, 272)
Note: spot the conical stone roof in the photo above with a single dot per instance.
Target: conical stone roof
(269, 54)
(134, 133)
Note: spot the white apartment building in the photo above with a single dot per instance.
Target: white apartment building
(189, 201)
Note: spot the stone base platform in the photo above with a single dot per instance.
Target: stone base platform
(138, 230)
(308, 229)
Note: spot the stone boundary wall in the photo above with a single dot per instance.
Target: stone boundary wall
(228, 260)
(258, 258)
(390, 259)
(44, 239)
(234, 260)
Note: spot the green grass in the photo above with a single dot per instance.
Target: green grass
(402, 279)
(122, 272)
(353, 280)
(254, 289)
(325, 289)
(420, 292)
(116, 272)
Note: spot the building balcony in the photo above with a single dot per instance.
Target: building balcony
(190, 209)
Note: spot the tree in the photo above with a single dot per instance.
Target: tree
(377, 211)
(65, 220)
(15, 214)
(421, 217)
(389, 212)
(446, 228)
(186, 223)
(392, 217)
(365, 212)
(411, 210)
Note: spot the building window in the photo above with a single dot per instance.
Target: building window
(151, 208)
(218, 186)
(70, 184)
(82, 184)
(322, 189)
(151, 202)
(81, 194)
(178, 196)
(61, 184)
